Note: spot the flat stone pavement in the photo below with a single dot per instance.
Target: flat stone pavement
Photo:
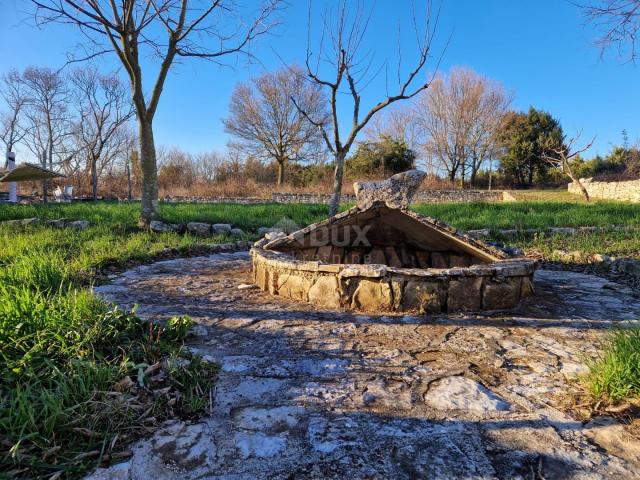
(318, 394)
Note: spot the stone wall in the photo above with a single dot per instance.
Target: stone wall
(425, 196)
(379, 288)
(628, 190)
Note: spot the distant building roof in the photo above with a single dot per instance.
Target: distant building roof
(28, 172)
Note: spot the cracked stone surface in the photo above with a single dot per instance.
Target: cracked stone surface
(306, 393)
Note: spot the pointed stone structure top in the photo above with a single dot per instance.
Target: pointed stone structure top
(395, 192)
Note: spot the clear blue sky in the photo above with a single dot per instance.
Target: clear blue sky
(539, 49)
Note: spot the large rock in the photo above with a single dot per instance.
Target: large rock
(325, 292)
(396, 191)
(161, 227)
(198, 228)
(221, 228)
(461, 393)
(372, 296)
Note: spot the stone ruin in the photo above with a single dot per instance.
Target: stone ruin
(381, 257)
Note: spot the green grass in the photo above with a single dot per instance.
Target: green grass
(533, 214)
(615, 374)
(63, 353)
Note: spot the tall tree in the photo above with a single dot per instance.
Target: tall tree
(49, 117)
(133, 30)
(12, 122)
(104, 109)
(267, 124)
(526, 140)
(340, 50)
(459, 118)
(619, 24)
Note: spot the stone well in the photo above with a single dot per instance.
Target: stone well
(381, 257)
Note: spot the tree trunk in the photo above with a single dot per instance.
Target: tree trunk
(94, 178)
(149, 173)
(129, 194)
(45, 184)
(337, 184)
(280, 172)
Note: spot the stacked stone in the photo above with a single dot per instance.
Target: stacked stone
(625, 191)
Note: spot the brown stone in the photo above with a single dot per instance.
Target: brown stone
(372, 296)
(422, 259)
(408, 258)
(354, 256)
(324, 253)
(464, 294)
(325, 293)
(393, 260)
(376, 255)
(294, 286)
(424, 297)
(260, 275)
(458, 260)
(337, 253)
(501, 293)
(439, 260)
(308, 254)
(526, 288)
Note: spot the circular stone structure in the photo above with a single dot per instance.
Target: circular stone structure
(380, 258)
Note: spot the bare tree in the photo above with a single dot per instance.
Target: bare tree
(167, 29)
(459, 117)
(340, 51)
(49, 118)
(12, 125)
(398, 124)
(561, 156)
(263, 117)
(104, 109)
(618, 22)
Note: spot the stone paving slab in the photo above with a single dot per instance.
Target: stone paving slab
(305, 393)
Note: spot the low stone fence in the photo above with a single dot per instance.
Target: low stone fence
(627, 190)
(425, 196)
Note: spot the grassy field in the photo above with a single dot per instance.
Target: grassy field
(64, 355)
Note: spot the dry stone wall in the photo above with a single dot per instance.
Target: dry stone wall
(627, 191)
(425, 196)
(380, 288)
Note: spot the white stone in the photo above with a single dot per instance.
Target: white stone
(461, 393)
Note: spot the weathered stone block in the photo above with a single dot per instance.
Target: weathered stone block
(337, 254)
(422, 259)
(161, 227)
(199, 228)
(325, 292)
(439, 260)
(294, 286)
(393, 260)
(221, 228)
(464, 294)
(324, 253)
(260, 275)
(501, 293)
(458, 260)
(408, 258)
(372, 296)
(424, 297)
(526, 287)
(376, 255)
(354, 256)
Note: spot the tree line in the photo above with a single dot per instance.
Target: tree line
(458, 121)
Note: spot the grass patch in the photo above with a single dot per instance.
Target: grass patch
(79, 379)
(615, 374)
